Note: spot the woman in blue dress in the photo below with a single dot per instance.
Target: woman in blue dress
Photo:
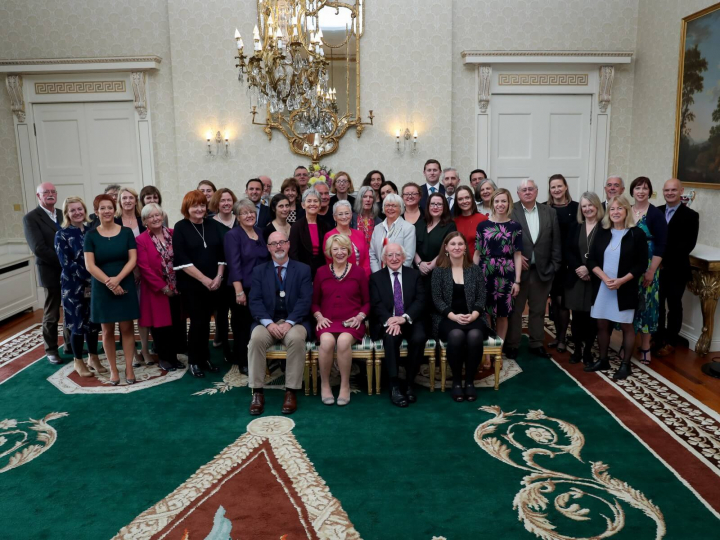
(75, 285)
(498, 252)
(652, 222)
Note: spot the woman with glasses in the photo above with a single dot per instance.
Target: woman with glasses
(341, 188)
(393, 229)
(411, 197)
(360, 252)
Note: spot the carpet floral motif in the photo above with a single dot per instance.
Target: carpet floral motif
(18, 345)
(17, 437)
(576, 496)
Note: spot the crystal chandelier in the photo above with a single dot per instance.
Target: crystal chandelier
(288, 70)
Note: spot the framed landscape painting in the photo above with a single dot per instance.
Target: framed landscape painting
(697, 130)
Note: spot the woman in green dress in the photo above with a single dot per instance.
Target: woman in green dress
(110, 256)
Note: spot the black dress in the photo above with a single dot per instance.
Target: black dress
(459, 307)
(566, 215)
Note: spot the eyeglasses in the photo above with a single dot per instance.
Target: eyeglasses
(436, 204)
(49, 192)
(410, 195)
(340, 182)
(279, 243)
(527, 190)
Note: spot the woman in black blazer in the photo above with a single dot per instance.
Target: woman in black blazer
(618, 257)
(458, 293)
(307, 234)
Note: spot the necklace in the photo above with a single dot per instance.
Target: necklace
(200, 235)
(618, 244)
(332, 269)
(588, 240)
(638, 213)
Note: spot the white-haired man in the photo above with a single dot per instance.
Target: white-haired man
(614, 187)
(450, 180)
(542, 255)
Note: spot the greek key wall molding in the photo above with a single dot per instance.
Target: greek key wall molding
(607, 74)
(14, 85)
(484, 76)
(81, 87)
(139, 93)
(543, 79)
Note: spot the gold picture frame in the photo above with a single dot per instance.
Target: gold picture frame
(696, 159)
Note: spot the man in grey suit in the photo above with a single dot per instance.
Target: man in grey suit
(40, 226)
(542, 256)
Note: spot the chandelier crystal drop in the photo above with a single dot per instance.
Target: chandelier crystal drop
(288, 69)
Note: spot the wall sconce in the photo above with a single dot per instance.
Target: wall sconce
(406, 136)
(218, 138)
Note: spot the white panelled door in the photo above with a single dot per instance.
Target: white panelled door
(83, 147)
(538, 136)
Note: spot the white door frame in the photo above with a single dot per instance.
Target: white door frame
(551, 72)
(76, 80)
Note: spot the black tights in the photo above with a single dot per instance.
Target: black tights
(584, 330)
(77, 340)
(561, 317)
(468, 346)
(605, 329)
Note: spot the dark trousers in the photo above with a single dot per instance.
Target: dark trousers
(241, 322)
(226, 299)
(414, 334)
(77, 340)
(584, 331)
(51, 318)
(534, 292)
(170, 340)
(672, 288)
(199, 305)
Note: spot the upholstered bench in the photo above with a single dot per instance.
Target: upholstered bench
(429, 352)
(362, 350)
(492, 346)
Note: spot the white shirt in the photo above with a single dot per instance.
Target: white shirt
(450, 200)
(50, 214)
(430, 187)
(532, 217)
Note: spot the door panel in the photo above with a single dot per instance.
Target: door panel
(538, 136)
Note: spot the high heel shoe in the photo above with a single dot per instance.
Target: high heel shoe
(470, 392)
(128, 380)
(645, 356)
(623, 372)
(602, 364)
(576, 356)
(138, 360)
(94, 364)
(115, 383)
(457, 393)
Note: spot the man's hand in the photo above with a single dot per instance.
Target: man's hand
(275, 331)
(396, 321)
(525, 263)
(284, 329)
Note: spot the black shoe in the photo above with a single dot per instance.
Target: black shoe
(577, 355)
(410, 395)
(177, 364)
(166, 366)
(53, 358)
(211, 367)
(601, 364)
(588, 356)
(623, 372)
(457, 393)
(244, 370)
(196, 371)
(470, 392)
(540, 351)
(511, 352)
(397, 397)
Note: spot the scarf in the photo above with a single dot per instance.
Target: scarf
(166, 258)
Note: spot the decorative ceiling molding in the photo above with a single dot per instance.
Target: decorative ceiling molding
(79, 65)
(543, 79)
(547, 57)
(14, 85)
(484, 77)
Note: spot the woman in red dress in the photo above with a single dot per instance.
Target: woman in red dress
(341, 302)
(467, 216)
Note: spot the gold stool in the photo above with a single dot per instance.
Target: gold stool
(491, 346)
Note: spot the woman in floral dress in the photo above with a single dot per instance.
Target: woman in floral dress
(498, 252)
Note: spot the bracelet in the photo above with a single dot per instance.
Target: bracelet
(517, 283)
(241, 293)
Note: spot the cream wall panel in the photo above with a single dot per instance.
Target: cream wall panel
(653, 130)
(83, 28)
(537, 25)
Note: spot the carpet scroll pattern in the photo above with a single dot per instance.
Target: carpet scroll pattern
(571, 501)
(21, 448)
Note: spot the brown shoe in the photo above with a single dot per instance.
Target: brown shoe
(290, 403)
(666, 350)
(257, 405)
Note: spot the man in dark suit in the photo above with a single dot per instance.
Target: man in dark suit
(542, 256)
(614, 187)
(40, 226)
(432, 184)
(397, 300)
(280, 301)
(254, 190)
(683, 226)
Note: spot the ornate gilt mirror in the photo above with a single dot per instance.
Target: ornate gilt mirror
(305, 71)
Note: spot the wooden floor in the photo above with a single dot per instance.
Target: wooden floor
(683, 368)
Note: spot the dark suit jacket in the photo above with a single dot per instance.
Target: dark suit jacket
(548, 245)
(301, 244)
(442, 293)
(40, 235)
(681, 239)
(633, 260)
(424, 193)
(263, 217)
(382, 298)
(298, 293)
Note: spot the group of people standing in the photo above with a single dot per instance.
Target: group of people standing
(313, 262)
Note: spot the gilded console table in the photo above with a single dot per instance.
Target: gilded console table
(705, 284)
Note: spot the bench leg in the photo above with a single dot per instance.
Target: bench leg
(443, 370)
(369, 368)
(498, 367)
(431, 371)
(378, 364)
(314, 365)
(307, 375)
